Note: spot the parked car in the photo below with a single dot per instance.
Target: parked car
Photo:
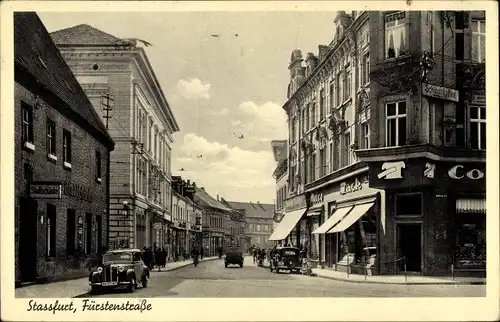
(286, 258)
(233, 257)
(120, 268)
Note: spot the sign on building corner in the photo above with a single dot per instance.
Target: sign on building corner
(392, 170)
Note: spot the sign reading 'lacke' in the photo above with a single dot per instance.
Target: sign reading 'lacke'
(440, 92)
(45, 191)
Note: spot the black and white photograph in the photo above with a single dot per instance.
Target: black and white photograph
(263, 154)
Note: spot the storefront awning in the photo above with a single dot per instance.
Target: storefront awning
(286, 225)
(471, 206)
(352, 217)
(334, 219)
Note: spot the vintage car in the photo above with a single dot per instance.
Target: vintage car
(120, 268)
(285, 258)
(234, 256)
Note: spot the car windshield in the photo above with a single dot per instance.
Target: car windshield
(117, 257)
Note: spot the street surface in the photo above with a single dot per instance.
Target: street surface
(212, 279)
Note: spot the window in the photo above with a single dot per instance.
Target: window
(396, 25)
(51, 138)
(366, 135)
(313, 115)
(322, 162)
(338, 94)
(346, 153)
(98, 165)
(409, 204)
(332, 152)
(70, 231)
(322, 105)
(258, 227)
(396, 124)
(307, 118)
(67, 148)
(365, 69)
(304, 120)
(51, 231)
(258, 240)
(332, 94)
(292, 133)
(478, 41)
(347, 85)
(27, 115)
(312, 166)
(478, 127)
(150, 134)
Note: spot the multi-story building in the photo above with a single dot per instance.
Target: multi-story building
(258, 219)
(214, 224)
(119, 80)
(61, 163)
(396, 102)
(280, 174)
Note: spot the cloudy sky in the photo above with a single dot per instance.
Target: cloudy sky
(220, 88)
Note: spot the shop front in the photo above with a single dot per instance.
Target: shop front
(291, 230)
(349, 225)
(436, 215)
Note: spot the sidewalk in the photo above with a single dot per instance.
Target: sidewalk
(80, 286)
(397, 279)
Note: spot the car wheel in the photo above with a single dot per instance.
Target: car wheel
(144, 281)
(131, 286)
(241, 265)
(94, 289)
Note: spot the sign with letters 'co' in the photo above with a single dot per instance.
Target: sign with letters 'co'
(459, 172)
(45, 191)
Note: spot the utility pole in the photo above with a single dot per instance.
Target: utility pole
(106, 98)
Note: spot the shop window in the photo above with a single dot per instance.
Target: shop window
(67, 148)
(478, 41)
(396, 124)
(409, 204)
(70, 231)
(478, 127)
(27, 117)
(51, 231)
(396, 34)
(470, 251)
(51, 139)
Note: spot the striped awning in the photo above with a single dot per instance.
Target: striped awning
(471, 206)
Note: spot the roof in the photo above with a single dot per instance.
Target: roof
(37, 57)
(85, 35)
(253, 209)
(208, 201)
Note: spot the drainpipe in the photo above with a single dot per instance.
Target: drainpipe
(108, 176)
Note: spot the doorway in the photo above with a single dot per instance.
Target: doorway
(28, 239)
(410, 246)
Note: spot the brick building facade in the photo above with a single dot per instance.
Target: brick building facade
(61, 163)
(140, 121)
(280, 174)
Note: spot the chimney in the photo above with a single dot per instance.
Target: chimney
(311, 63)
(217, 197)
(202, 188)
(322, 52)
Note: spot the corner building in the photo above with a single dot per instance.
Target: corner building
(120, 82)
(62, 153)
(387, 145)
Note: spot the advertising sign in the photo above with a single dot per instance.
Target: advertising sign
(440, 92)
(45, 191)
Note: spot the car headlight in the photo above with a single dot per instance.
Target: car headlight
(120, 269)
(99, 270)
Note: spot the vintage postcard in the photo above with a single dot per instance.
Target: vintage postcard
(249, 161)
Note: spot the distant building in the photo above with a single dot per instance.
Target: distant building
(259, 221)
(62, 153)
(280, 174)
(141, 122)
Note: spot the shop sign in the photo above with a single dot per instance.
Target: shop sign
(78, 191)
(346, 188)
(45, 191)
(478, 100)
(440, 92)
(459, 172)
(295, 203)
(316, 198)
(392, 170)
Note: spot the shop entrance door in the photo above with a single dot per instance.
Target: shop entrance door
(410, 246)
(28, 239)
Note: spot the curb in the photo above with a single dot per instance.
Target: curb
(401, 283)
(166, 270)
